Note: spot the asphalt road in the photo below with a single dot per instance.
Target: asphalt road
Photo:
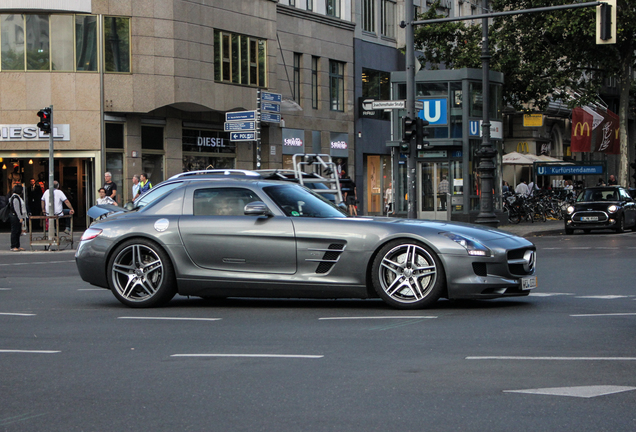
(72, 358)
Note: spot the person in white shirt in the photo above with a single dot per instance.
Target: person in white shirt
(59, 199)
(522, 188)
(103, 199)
(136, 187)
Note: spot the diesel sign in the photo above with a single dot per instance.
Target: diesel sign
(29, 132)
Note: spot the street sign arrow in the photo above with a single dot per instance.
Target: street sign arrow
(242, 136)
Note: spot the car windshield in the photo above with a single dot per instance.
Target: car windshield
(590, 195)
(299, 201)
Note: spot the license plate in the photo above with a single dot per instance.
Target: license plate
(528, 283)
(589, 218)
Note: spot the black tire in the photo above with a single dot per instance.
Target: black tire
(408, 275)
(140, 274)
(620, 225)
(514, 218)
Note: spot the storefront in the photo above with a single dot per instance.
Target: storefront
(447, 182)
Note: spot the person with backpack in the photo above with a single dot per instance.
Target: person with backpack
(17, 214)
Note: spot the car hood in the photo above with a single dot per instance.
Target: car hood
(595, 205)
(103, 209)
(477, 232)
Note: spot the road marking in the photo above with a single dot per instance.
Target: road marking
(29, 351)
(22, 417)
(580, 391)
(5, 289)
(552, 358)
(607, 314)
(93, 289)
(552, 248)
(170, 318)
(36, 263)
(606, 297)
(581, 248)
(16, 314)
(378, 317)
(540, 294)
(606, 248)
(252, 355)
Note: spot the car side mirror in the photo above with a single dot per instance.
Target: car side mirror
(129, 206)
(257, 208)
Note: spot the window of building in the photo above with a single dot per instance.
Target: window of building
(152, 155)
(62, 55)
(86, 42)
(368, 15)
(207, 149)
(116, 44)
(114, 135)
(115, 158)
(296, 77)
(37, 42)
(12, 39)
(292, 2)
(315, 62)
(377, 85)
(333, 8)
(336, 85)
(310, 5)
(387, 18)
(239, 59)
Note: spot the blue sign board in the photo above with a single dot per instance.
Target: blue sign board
(271, 97)
(270, 118)
(242, 136)
(435, 111)
(239, 126)
(553, 169)
(272, 107)
(240, 115)
(475, 128)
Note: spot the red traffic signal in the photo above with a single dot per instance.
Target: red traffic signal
(45, 120)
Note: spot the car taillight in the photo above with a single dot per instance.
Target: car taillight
(90, 234)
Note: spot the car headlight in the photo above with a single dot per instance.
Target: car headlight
(612, 208)
(473, 247)
(570, 209)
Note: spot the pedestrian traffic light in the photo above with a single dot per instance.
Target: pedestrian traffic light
(408, 132)
(45, 120)
(421, 133)
(606, 22)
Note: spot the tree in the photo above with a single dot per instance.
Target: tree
(544, 56)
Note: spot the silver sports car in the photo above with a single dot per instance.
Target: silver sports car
(242, 236)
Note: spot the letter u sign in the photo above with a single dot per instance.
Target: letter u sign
(435, 111)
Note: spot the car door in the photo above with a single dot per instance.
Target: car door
(217, 235)
(629, 207)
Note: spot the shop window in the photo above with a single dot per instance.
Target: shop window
(377, 85)
(456, 104)
(115, 166)
(152, 164)
(116, 44)
(239, 59)
(476, 100)
(336, 85)
(151, 138)
(86, 43)
(114, 135)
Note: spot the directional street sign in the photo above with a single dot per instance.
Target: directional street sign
(419, 105)
(271, 97)
(239, 126)
(270, 118)
(240, 115)
(388, 104)
(242, 136)
(271, 107)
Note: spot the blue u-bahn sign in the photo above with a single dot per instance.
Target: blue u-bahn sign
(435, 111)
(553, 169)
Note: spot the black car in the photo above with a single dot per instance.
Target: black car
(601, 207)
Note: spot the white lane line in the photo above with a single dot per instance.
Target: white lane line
(541, 294)
(378, 317)
(170, 318)
(552, 248)
(16, 314)
(93, 289)
(581, 248)
(605, 297)
(606, 248)
(36, 263)
(5, 289)
(252, 355)
(552, 358)
(579, 391)
(29, 351)
(606, 314)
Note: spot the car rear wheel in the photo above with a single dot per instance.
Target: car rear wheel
(408, 275)
(141, 274)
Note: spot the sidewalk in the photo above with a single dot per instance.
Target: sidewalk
(536, 229)
(5, 244)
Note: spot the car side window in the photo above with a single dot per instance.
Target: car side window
(222, 201)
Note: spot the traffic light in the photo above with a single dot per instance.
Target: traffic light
(409, 126)
(421, 133)
(45, 120)
(606, 22)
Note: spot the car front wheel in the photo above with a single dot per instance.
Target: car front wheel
(141, 274)
(408, 275)
(620, 225)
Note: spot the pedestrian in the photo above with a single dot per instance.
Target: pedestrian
(59, 199)
(348, 188)
(144, 184)
(522, 188)
(136, 187)
(388, 200)
(103, 199)
(110, 186)
(505, 187)
(34, 196)
(600, 182)
(17, 214)
(612, 181)
(442, 192)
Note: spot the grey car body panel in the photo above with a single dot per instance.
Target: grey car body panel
(280, 256)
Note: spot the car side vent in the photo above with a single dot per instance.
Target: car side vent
(330, 257)
(480, 269)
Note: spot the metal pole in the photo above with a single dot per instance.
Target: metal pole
(486, 152)
(258, 129)
(410, 105)
(51, 231)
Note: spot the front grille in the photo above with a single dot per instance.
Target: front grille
(599, 216)
(480, 269)
(522, 261)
